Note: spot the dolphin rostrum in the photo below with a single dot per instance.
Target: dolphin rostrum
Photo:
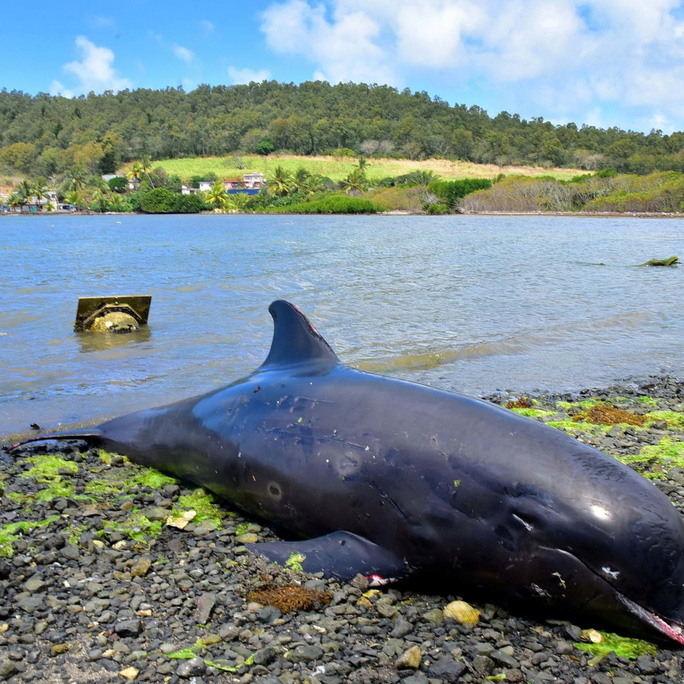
(394, 479)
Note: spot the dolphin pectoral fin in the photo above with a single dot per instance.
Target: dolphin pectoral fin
(342, 555)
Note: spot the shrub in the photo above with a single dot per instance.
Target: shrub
(188, 204)
(438, 209)
(452, 191)
(343, 152)
(158, 201)
(335, 204)
(118, 184)
(265, 146)
(407, 179)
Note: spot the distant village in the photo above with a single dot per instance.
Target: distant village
(250, 184)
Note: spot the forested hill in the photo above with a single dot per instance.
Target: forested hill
(45, 135)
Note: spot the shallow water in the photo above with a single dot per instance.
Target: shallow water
(472, 304)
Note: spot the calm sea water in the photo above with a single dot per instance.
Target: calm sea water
(473, 304)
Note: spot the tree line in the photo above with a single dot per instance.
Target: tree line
(45, 135)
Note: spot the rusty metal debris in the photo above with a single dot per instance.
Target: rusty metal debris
(116, 314)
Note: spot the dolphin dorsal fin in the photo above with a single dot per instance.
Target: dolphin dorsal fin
(295, 340)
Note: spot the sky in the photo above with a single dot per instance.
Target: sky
(598, 62)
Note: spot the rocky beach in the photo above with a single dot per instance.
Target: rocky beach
(112, 572)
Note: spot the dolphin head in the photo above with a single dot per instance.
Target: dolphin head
(615, 549)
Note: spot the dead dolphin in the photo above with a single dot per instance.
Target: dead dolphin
(394, 479)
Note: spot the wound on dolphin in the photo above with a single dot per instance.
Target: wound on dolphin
(397, 480)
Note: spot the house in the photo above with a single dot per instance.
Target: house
(254, 181)
(249, 184)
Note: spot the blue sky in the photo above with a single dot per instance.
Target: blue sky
(601, 62)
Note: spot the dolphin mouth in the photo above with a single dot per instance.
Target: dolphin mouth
(670, 629)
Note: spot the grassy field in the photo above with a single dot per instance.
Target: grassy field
(338, 168)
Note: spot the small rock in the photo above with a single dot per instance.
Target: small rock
(504, 659)
(204, 528)
(129, 673)
(265, 656)
(483, 664)
(386, 610)
(446, 669)
(434, 616)
(141, 567)
(34, 585)
(8, 669)
(401, 628)
(646, 664)
(128, 628)
(409, 659)
(268, 614)
(205, 604)
(156, 514)
(463, 613)
(58, 649)
(306, 653)
(71, 552)
(247, 538)
(418, 678)
(191, 668)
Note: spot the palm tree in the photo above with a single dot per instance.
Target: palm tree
(313, 184)
(301, 179)
(40, 190)
(75, 181)
(15, 200)
(146, 167)
(25, 191)
(239, 201)
(77, 199)
(136, 172)
(99, 195)
(116, 202)
(218, 197)
(356, 182)
(280, 183)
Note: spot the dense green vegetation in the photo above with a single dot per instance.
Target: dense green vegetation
(450, 192)
(53, 143)
(333, 204)
(45, 135)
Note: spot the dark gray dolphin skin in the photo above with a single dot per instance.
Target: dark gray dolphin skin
(394, 479)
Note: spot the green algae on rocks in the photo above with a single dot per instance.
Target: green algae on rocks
(622, 646)
(204, 506)
(10, 532)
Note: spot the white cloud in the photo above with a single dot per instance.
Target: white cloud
(627, 52)
(594, 117)
(207, 26)
(431, 32)
(94, 71)
(248, 75)
(345, 46)
(183, 53)
(56, 88)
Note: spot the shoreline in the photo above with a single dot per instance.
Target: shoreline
(99, 588)
(395, 212)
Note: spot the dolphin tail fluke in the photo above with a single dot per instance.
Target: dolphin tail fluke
(91, 436)
(342, 555)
